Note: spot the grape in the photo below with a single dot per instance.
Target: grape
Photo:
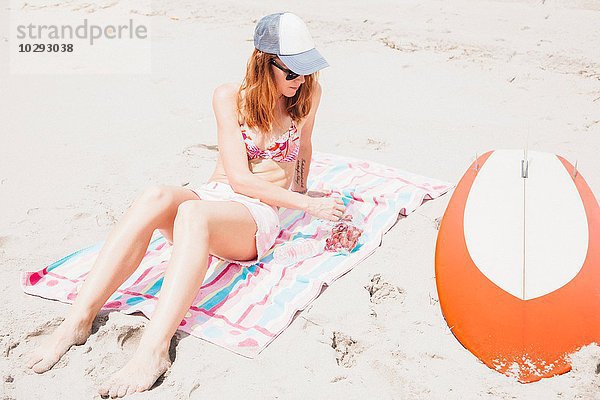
(344, 236)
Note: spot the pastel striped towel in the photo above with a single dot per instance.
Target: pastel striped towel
(243, 309)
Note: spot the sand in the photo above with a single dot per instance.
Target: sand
(423, 86)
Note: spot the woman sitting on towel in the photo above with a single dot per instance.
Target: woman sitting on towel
(264, 132)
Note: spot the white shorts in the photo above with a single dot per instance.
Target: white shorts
(266, 216)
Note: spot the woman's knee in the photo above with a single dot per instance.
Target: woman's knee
(193, 213)
(155, 196)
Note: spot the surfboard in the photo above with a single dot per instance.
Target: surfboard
(517, 263)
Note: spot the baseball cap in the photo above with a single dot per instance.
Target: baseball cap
(286, 35)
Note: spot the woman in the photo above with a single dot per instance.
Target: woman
(232, 216)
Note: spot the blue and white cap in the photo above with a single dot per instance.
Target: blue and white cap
(286, 35)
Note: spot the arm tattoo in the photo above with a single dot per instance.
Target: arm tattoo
(300, 168)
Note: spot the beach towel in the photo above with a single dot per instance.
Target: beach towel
(243, 309)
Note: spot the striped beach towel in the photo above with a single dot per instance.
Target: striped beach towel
(243, 309)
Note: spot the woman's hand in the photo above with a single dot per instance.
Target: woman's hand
(329, 208)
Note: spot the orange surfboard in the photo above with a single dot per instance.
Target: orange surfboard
(518, 263)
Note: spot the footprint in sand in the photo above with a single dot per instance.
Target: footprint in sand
(126, 336)
(45, 328)
(115, 343)
(130, 335)
(380, 290)
(346, 348)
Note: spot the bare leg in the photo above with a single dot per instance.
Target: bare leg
(197, 229)
(119, 257)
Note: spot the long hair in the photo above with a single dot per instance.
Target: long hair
(257, 105)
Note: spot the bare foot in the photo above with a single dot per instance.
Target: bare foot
(138, 375)
(67, 334)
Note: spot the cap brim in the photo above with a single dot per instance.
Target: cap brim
(305, 63)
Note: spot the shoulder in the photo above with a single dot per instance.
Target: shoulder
(318, 89)
(226, 91)
(316, 95)
(225, 100)
(315, 98)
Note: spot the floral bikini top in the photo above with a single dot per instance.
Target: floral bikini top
(283, 149)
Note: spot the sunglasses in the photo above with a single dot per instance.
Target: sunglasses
(290, 75)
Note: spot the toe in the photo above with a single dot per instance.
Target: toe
(122, 390)
(34, 359)
(113, 391)
(45, 364)
(130, 390)
(103, 389)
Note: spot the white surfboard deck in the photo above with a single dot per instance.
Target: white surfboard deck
(527, 235)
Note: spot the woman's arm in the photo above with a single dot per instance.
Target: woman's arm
(305, 154)
(235, 159)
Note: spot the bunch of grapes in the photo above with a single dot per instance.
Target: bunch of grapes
(344, 236)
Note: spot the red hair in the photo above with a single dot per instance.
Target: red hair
(257, 105)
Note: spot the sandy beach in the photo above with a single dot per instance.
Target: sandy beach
(422, 86)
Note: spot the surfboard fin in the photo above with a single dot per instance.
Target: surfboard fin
(524, 163)
(524, 168)
(575, 170)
